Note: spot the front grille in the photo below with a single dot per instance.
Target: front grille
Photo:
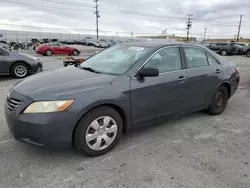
(12, 104)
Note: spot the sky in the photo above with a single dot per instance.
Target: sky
(123, 17)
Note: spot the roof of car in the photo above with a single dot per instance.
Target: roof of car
(158, 43)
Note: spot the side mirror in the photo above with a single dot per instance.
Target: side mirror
(148, 72)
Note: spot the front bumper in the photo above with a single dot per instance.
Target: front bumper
(36, 68)
(51, 130)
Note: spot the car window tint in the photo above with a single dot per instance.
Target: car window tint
(166, 60)
(53, 44)
(61, 44)
(212, 60)
(195, 57)
(222, 44)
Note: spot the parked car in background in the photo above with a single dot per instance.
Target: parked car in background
(242, 47)
(225, 48)
(89, 42)
(101, 44)
(122, 87)
(5, 45)
(111, 43)
(206, 44)
(18, 64)
(246, 50)
(56, 48)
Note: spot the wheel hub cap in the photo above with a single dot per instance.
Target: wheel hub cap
(101, 133)
(218, 100)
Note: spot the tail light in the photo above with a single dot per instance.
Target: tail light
(237, 69)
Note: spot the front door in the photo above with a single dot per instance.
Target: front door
(3, 67)
(155, 97)
(202, 77)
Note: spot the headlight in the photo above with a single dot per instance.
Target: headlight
(48, 106)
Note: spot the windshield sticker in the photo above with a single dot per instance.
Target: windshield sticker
(136, 48)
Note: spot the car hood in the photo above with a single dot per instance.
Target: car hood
(50, 85)
(23, 56)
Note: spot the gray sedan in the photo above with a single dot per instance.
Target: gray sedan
(18, 64)
(117, 89)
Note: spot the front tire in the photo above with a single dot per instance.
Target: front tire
(48, 53)
(19, 70)
(98, 132)
(219, 101)
(248, 53)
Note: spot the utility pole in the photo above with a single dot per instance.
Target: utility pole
(239, 28)
(189, 24)
(97, 18)
(205, 32)
(164, 33)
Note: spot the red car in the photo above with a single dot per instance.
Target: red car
(56, 48)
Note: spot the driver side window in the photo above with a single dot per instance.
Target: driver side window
(166, 60)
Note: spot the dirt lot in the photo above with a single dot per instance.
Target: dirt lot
(194, 151)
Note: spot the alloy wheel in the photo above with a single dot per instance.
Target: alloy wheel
(75, 53)
(224, 53)
(48, 52)
(101, 133)
(20, 70)
(248, 54)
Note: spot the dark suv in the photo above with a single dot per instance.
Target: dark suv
(225, 48)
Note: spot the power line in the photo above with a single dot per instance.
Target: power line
(238, 35)
(69, 3)
(97, 18)
(41, 6)
(134, 15)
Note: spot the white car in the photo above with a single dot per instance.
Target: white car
(101, 44)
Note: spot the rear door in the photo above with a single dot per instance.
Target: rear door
(204, 74)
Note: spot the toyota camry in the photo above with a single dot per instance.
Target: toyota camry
(117, 89)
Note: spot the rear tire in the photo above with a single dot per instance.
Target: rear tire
(85, 127)
(224, 52)
(219, 101)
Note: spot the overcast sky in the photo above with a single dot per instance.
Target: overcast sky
(141, 17)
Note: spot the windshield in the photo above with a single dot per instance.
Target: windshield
(115, 60)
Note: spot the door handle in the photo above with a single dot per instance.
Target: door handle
(181, 78)
(218, 71)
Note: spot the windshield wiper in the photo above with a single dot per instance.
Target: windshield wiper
(91, 70)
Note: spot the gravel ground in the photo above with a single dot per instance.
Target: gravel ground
(194, 151)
